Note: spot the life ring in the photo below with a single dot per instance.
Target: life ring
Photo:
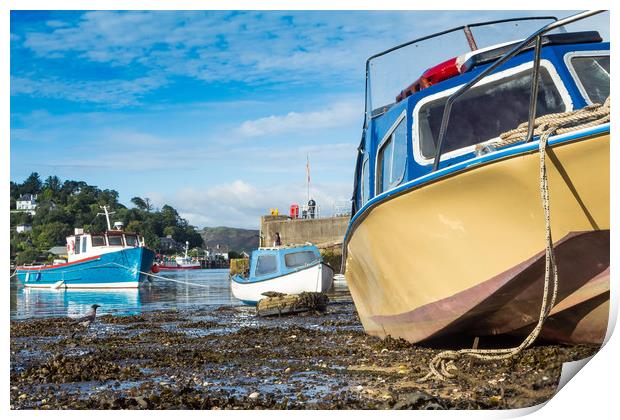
(70, 246)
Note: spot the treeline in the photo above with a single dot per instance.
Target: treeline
(64, 205)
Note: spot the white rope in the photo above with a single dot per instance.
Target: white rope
(161, 277)
(441, 365)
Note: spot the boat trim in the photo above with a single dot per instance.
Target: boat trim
(415, 135)
(69, 285)
(568, 62)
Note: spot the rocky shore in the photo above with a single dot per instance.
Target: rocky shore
(228, 358)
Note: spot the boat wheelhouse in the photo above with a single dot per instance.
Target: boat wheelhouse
(290, 270)
(447, 235)
(112, 259)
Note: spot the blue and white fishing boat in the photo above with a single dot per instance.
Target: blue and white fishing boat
(114, 259)
(465, 168)
(289, 270)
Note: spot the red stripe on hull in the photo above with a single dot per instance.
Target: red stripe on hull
(47, 267)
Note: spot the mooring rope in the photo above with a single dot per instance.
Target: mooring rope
(441, 365)
(161, 277)
(589, 116)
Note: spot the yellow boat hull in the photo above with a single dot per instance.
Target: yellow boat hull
(455, 255)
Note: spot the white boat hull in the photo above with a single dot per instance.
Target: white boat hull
(318, 278)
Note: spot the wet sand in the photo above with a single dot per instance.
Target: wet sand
(227, 358)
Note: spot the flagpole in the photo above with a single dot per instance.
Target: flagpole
(308, 174)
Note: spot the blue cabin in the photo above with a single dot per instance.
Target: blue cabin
(399, 140)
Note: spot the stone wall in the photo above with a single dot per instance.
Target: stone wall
(324, 232)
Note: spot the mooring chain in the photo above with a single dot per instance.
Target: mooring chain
(442, 364)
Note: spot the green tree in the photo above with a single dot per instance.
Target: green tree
(51, 234)
(32, 184)
(142, 203)
(53, 184)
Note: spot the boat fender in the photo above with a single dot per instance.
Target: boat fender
(155, 268)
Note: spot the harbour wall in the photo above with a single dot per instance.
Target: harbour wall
(323, 232)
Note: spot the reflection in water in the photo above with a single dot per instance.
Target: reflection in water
(160, 294)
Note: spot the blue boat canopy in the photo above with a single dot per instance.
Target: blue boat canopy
(268, 263)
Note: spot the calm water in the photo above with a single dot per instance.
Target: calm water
(214, 289)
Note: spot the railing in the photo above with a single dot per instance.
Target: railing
(535, 38)
(337, 209)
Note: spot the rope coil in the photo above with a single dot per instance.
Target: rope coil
(442, 365)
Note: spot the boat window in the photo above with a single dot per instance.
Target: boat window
(392, 158)
(115, 240)
(266, 264)
(76, 245)
(84, 240)
(486, 111)
(131, 240)
(365, 193)
(297, 259)
(592, 73)
(98, 240)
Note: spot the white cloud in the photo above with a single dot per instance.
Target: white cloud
(339, 114)
(115, 93)
(240, 204)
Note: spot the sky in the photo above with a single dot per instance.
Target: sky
(212, 112)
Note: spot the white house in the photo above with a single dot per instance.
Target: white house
(23, 228)
(27, 203)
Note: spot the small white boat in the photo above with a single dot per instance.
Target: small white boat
(289, 270)
(181, 263)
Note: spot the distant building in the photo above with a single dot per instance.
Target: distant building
(27, 203)
(23, 228)
(169, 244)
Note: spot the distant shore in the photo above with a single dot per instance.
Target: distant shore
(225, 357)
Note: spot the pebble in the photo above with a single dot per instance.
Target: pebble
(254, 395)
(287, 370)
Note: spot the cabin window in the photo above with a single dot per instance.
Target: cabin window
(392, 158)
(266, 264)
(76, 245)
(114, 240)
(131, 240)
(84, 240)
(365, 194)
(592, 76)
(298, 259)
(98, 240)
(486, 111)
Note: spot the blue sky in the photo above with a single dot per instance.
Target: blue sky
(211, 112)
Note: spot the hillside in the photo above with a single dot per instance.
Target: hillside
(235, 239)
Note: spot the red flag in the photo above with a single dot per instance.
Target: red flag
(308, 168)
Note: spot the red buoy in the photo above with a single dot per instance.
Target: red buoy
(154, 268)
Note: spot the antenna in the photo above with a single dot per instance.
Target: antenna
(107, 215)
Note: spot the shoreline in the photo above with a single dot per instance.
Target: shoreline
(225, 357)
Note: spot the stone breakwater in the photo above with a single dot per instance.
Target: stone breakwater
(227, 358)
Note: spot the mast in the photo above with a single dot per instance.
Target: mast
(107, 215)
(186, 248)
